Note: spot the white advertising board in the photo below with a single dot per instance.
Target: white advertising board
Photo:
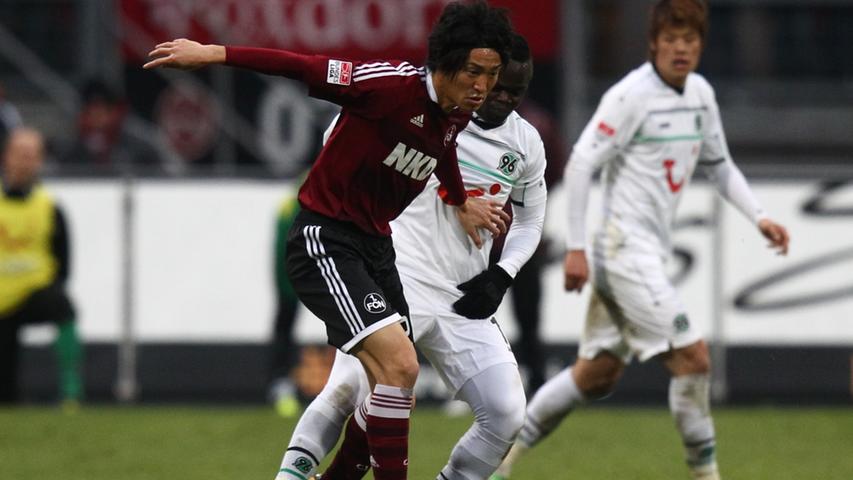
(203, 268)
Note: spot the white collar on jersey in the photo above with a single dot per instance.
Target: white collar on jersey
(430, 87)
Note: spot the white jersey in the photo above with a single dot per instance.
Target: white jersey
(649, 138)
(501, 163)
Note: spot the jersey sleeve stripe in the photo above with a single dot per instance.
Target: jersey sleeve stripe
(386, 74)
(403, 67)
(369, 65)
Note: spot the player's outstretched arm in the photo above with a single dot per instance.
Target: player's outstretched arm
(185, 54)
(478, 213)
(777, 234)
(576, 270)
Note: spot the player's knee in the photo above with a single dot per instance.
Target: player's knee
(599, 382)
(500, 419)
(599, 387)
(506, 415)
(692, 360)
(342, 398)
(393, 364)
(402, 369)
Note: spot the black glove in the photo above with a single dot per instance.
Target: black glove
(483, 293)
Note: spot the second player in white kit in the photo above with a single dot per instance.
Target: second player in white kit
(500, 161)
(651, 131)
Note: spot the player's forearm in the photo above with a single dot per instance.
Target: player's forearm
(523, 237)
(578, 183)
(733, 187)
(275, 62)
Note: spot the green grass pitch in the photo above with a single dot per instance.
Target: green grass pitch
(145, 443)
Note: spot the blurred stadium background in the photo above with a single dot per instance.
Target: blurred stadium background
(172, 218)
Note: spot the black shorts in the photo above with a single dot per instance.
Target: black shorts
(346, 277)
(48, 305)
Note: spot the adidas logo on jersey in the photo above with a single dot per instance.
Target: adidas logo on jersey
(410, 162)
(418, 120)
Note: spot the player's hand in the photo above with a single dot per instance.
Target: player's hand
(777, 234)
(185, 54)
(478, 213)
(576, 270)
(483, 293)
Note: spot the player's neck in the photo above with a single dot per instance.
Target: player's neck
(17, 191)
(439, 83)
(676, 84)
(486, 124)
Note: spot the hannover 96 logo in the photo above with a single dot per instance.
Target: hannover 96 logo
(303, 464)
(681, 323)
(508, 162)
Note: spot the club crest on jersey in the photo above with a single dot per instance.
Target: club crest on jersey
(450, 132)
(374, 303)
(303, 464)
(681, 323)
(410, 162)
(508, 162)
(339, 72)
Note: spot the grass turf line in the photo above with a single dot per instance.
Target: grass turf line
(136, 443)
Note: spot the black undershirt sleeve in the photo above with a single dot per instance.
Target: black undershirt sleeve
(60, 245)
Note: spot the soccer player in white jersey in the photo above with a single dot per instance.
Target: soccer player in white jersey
(452, 294)
(650, 132)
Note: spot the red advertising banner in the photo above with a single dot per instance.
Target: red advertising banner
(352, 28)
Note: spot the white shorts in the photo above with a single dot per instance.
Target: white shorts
(457, 347)
(634, 310)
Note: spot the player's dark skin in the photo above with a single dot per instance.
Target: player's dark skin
(507, 94)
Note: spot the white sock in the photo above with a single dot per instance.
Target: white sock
(690, 407)
(549, 406)
(313, 438)
(320, 426)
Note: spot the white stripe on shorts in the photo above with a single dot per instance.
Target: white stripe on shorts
(333, 280)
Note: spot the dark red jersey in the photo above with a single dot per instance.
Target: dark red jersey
(390, 137)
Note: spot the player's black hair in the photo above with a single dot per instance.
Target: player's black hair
(519, 50)
(97, 90)
(463, 27)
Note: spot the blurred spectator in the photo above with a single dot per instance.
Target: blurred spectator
(105, 143)
(526, 291)
(34, 264)
(285, 354)
(296, 372)
(10, 118)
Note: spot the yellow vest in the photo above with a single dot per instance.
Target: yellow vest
(27, 263)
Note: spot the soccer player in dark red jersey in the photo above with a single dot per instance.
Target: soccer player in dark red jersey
(398, 125)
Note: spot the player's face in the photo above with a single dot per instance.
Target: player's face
(22, 159)
(507, 93)
(470, 86)
(676, 52)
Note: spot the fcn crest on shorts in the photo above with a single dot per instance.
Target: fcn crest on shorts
(374, 303)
